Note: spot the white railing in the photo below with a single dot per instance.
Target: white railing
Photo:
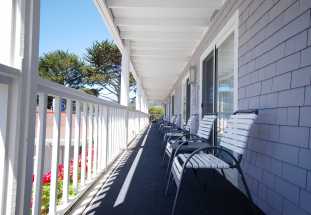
(93, 134)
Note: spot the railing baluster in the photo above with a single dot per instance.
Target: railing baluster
(84, 141)
(123, 128)
(100, 133)
(39, 154)
(95, 141)
(108, 135)
(66, 179)
(105, 137)
(54, 162)
(90, 144)
(76, 147)
(119, 143)
(113, 135)
(114, 132)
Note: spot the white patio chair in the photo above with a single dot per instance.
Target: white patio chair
(167, 124)
(192, 141)
(172, 129)
(178, 133)
(231, 146)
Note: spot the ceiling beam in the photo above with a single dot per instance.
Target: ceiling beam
(180, 29)
(184, 50)
(158, 36)
(161, 53)
(172, 59)
(161, 22)
(164, 3)
(162, 45)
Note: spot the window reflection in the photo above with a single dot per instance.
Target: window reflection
(225, 83)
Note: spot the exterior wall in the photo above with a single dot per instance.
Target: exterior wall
(274, 77)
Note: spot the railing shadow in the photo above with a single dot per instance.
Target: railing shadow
(209, 193)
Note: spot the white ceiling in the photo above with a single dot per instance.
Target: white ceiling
(162, 35)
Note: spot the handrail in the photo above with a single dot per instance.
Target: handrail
(52, 88)
(8, 73)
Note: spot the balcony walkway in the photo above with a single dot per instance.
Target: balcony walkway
(136, 187)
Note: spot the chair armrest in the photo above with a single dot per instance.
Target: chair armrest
(212, 148)
(185, 143)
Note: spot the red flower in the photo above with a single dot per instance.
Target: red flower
(46, 179)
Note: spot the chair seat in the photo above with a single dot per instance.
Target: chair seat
(174, 134)
(202, 161)
(190, 147)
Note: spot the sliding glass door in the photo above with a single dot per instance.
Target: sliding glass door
(218, 84)
(225, 82)
(188, 99)
(208, 85)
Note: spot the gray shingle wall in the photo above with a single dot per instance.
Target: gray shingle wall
(275, 77)
(274, 68)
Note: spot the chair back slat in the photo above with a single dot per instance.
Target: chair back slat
(236, 133)
(190, 122)
(173, 118)
(177, 121)
(188, 125)
(205, 126)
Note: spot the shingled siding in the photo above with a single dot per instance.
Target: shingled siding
(275, 77)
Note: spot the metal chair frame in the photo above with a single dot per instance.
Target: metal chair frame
(213, 150)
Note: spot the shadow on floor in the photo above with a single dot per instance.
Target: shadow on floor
(140, 191)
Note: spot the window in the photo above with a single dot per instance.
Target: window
(172, 102)
(218, 75)
(225, 82)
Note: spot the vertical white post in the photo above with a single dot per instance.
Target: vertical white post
(26, 36)
(84, 141)
(100, 142)
(124, 94)
(108, 135)
(102, 139)
(142, 103)
(117, 134)
(90, 144)
(67, 150)
(39, 154)
(54, 162)
(4, 94)
(138, 99)
(113, 133)
(95, 159)
(76, 147)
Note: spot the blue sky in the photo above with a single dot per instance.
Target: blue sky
(70, 25)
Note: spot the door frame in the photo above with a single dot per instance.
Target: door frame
(232, 26)
(184, 94)
(172, 107)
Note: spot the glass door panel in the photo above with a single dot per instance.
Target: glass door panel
(208, 75)
(225, 83)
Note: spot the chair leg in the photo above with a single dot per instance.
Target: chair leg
(245, 184)
(223, 173)
(176, 195)
(163, 155)
(247, 189)
(170, 159)
(168, 184)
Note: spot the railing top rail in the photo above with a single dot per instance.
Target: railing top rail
(55, 89)
(8, 73)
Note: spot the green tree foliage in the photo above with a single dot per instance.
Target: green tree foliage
(104, 59)
(156, 112)
(62, 67)
(99, 74)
